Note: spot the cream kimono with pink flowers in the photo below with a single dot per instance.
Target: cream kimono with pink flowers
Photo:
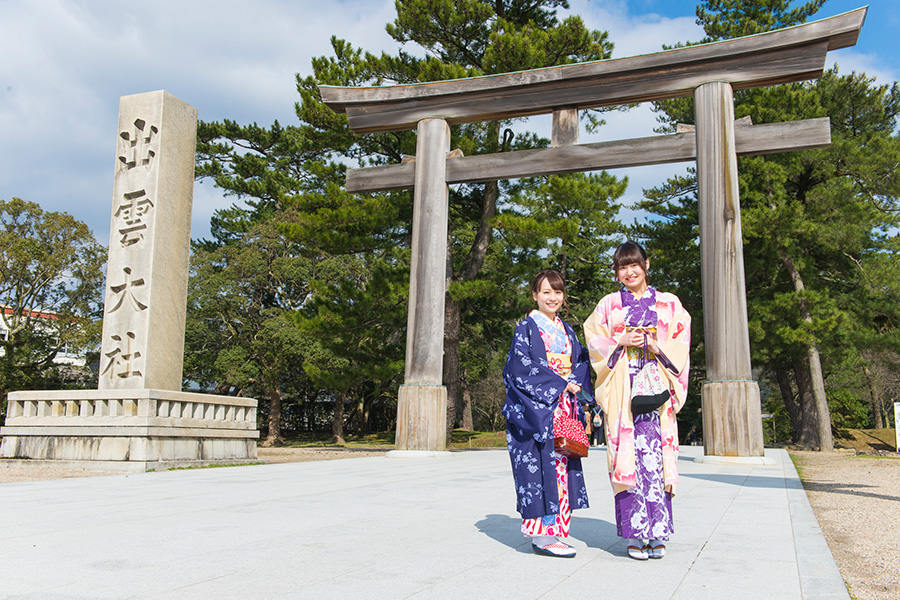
(602, 331)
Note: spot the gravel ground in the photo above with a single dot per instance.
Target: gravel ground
(283, 455)
(857, 502)
(8, 473)
(855, 498)
(270, 455)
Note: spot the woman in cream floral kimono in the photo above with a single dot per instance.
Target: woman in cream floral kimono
(641, 449)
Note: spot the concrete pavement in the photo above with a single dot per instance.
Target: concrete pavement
(388, 527)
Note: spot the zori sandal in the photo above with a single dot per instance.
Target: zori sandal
(555, 549)
(657, 549)
(638, 552)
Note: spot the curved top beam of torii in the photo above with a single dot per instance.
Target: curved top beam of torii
(781, 56)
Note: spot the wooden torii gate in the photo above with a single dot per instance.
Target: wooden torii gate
(710, 73)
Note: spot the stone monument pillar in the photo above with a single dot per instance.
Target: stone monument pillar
(732, 419)
(149, 244)
(422, 401)
(138, 418)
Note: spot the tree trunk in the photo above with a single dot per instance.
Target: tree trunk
(790, 403)
(467, 422)
(809, 434)
(274, 435)
(874, 399)
(450, 375)
(826, 439)
(337, 425)
(814, 362)
(365, 405)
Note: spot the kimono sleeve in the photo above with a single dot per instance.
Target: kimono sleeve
(674, 338)
(601, 335)
(532, 388)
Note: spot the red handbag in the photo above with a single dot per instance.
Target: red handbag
(569, 437)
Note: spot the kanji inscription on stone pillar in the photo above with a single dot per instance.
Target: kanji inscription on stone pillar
(149, 244)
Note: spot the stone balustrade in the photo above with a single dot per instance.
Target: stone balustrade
(136, 429)
(153, 408)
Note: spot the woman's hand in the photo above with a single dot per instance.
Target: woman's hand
(632, 338)
(573, 388)
(639, 338)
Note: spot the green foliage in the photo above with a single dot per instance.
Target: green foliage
(50, 293)
(352, 326)
(847, 410)
(570, 222)
(239, 336)
(726, 19)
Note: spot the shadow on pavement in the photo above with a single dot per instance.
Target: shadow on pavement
(595, 533)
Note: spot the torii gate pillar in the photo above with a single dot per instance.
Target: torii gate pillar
(732, 421)
(422, 401)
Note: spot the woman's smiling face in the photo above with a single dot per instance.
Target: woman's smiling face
(548, 300)
(633, 276)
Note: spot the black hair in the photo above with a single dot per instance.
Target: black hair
(629, 253)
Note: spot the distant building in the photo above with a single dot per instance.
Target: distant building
(69, 356)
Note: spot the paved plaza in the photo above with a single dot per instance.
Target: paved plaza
(400, 527)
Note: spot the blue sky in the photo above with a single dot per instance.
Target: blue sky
(65, 63)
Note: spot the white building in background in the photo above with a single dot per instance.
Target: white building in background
(66, 356)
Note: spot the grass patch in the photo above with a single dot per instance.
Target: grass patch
(195, 467)
(463, 439)
(216, 466)
(798, 464)
(322, 439)
(866, 439)
(460, 439)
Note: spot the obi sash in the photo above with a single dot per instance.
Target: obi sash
(561, 364)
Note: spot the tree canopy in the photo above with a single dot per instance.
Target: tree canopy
(50, 293)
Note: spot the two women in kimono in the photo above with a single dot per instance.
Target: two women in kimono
(641, 449)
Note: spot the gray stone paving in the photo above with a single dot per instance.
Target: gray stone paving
(385, 527)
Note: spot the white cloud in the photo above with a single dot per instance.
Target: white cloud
(872, 65)
(635, 34)
(66, 63)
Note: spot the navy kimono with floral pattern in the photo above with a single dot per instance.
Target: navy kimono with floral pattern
(532, 393)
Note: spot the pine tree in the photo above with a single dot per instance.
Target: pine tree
(812, 221)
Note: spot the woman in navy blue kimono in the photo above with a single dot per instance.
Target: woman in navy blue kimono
(546, 367)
